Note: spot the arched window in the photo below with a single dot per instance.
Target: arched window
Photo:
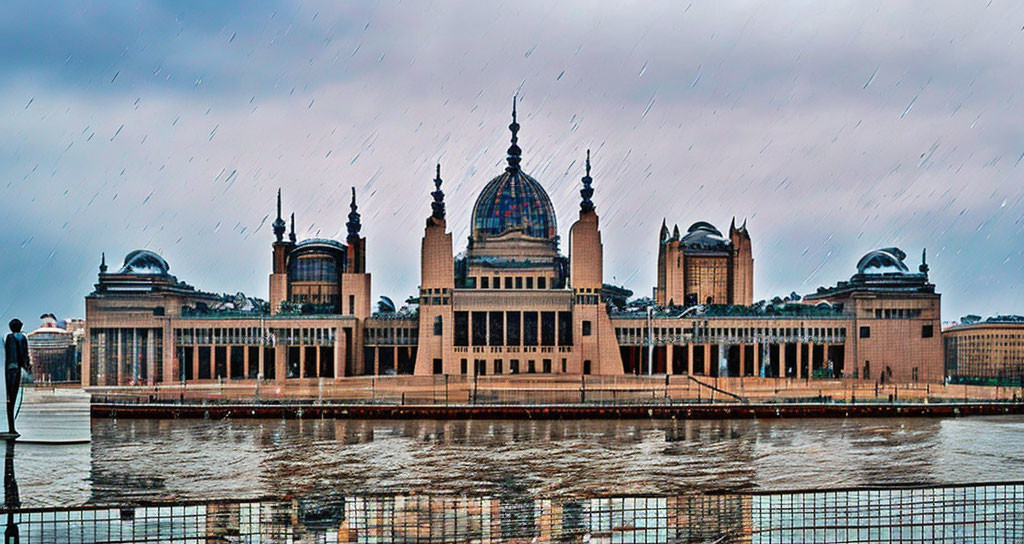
(438, 326)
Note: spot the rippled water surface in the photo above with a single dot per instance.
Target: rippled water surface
(145, 459)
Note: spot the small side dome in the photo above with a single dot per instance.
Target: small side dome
(883, 261)
(704, 235)
(703, 226)
(144, 262)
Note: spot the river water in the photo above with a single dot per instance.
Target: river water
(141, 460)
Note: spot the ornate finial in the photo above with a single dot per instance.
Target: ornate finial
(103, 263)
(279, 225)
(587, 191)
(514, 153)
(924, 261)
(353, 219)
(438, 204)
(675, 232)
(743, 227)
(291, 235)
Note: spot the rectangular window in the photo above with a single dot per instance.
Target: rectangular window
(530, 328)
(326, 362)
(865, 332)
(461, 331)
(220, 362)
(927, 331)
(519, 283)
(479, 328)
(480, 367)
(564, 328)
(513, 366)
(586, 366)
(254, 362)
(269, 363)
(463, 366)
(438, 366)
(529, 282)
(497, 328)
(531, 367)
(237, 363)
(586, 328)
(508, 282)
(497, 366)
(915, 373)
(542, 283)
(497, 282)
(185, 360)
(485, 282)
(293, 362)
(352, 304)
(547, 366)
(438, 326)
(309, 363)
(547, 328)
(513, 325)
(564, 365)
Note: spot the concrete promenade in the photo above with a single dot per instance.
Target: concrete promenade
(460, 397)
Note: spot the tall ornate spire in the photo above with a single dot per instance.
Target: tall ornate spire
(587, 191)
(291, 235)
(438, 204)
(279, 225)
(514, 153)
(103, 263)
(353, 218)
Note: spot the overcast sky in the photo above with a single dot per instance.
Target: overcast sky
(833, 128)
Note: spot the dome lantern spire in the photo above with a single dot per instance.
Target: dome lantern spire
(291, 235)
(103, 263)
(279, 225)
(514, 152)
(587, 191)
(353, 224)
(438, 204)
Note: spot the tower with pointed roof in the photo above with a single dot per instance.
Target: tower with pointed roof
(434, 352)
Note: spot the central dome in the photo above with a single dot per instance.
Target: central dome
(514, 201)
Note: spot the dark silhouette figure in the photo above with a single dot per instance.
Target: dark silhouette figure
(16, 355)
(12, 500)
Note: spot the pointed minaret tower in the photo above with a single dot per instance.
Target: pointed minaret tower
(281, 249)
(434, 353)
(356, 244)
(597, 351)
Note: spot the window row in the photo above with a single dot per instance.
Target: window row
(512, 328)
(512, 282)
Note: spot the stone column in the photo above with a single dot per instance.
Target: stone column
(782, 359)
(757, 359)
(669, 354)
(799, 358)
(302, 361)
(689, 359)
(707, 359)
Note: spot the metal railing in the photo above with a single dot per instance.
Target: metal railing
(970, 513)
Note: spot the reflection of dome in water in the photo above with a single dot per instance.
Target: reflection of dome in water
(144, 262)
(883, 261)
(512, 201)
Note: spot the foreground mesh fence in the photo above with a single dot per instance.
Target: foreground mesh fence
(969, 513)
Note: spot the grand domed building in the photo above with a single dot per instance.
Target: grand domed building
(510, 302)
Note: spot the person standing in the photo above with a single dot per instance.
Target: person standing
(16, 358)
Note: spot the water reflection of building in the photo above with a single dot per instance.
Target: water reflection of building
(55, 350)
(511, 303)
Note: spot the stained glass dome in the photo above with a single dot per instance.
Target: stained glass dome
(514, 201)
